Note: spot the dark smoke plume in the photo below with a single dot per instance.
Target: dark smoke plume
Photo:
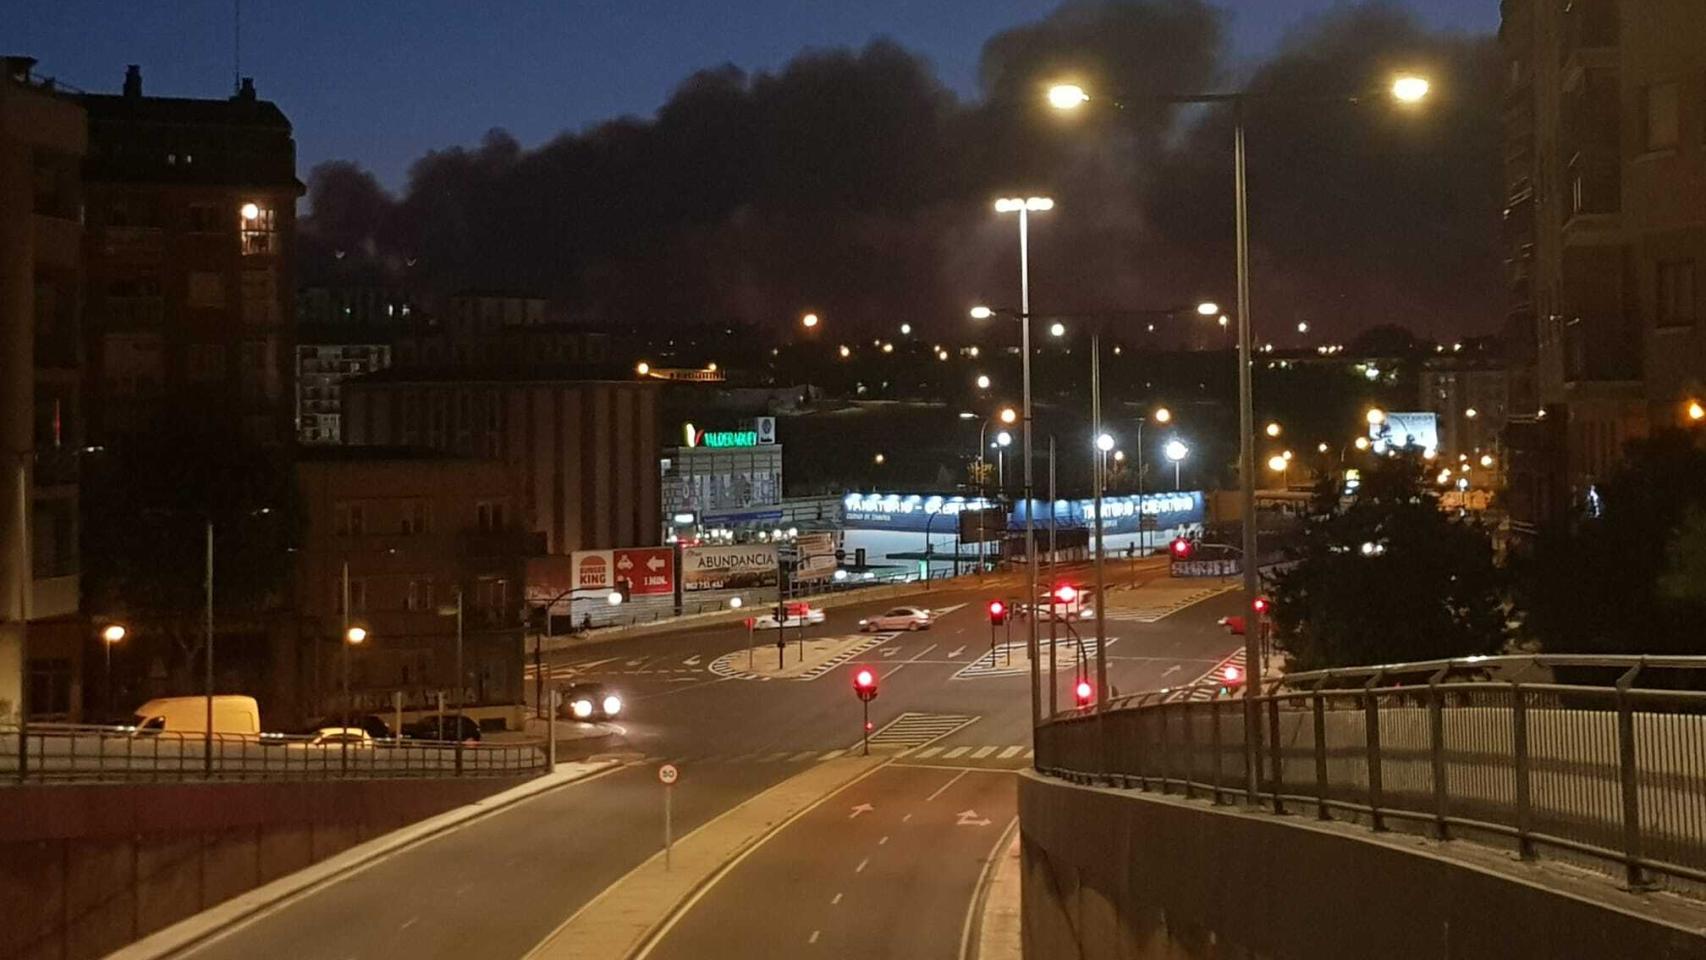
(854, 184)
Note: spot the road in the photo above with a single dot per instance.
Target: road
(498, 886)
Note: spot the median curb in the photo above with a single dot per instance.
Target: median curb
(221, 918)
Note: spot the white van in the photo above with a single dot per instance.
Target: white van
(232, 714)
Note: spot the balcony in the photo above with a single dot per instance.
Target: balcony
(1596, 186)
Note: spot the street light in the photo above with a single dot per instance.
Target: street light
(905, 329)
(1057, 329)
(1208, 308)
(1176, 451)
(1024, 207)
(1695, 411)
(643, 368)
(112, 634)
(1163, 415)
(353, 637)
(1472, 413)
(1067, 96)
(1361, 443)
(983, 381)
(845, 351)
(614, 598)
(1272, 429)
(809, 321)
(1410, 88)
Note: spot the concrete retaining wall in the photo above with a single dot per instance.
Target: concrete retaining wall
(1122, 874)
(85, 869)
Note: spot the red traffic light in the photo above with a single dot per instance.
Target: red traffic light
(865, 683)
(1260, 604)
(1182, 548)
(1083, 692)
(1066, 593)
(997, 612)
(1231, 673)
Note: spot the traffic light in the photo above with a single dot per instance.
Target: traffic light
(997, 613)
(1260, 605)
(865, 684)
(1083, 692)
(1231, 674)
(1066, 593)
(1182, 548)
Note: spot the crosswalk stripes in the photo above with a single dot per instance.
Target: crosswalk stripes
(912, 729)
(1142, 606)
(1066, 647)
(732, 665)
(1205, 687)
(999, 756)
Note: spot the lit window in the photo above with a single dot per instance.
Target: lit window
(255, 224)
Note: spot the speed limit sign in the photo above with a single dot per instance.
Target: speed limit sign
(667, 774)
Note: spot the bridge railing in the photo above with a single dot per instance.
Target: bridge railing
(1599, 758)
(60, 753)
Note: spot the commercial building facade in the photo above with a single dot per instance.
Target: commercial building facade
(1605, 176)
(42, 142)
(585, 441)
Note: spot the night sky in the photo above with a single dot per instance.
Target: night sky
(383, 83)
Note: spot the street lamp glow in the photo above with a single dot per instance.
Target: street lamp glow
(1361, 443)
(1105, 442)
(981, 312)
(845, 351)
(1029, 204)
(905, 329)
(1163, 415)
(250, 211)
(1008, 415)
(1119, 456)
(1176, 450)
(1277, 463)
(1272, 429)
(879, 459)
(1376, 416)
(1486, 459)
(1057, 329)
(888, 348)
(1224, 320)
(809, 321)
(614, 598)
(1004, 439)
(1410, 88)
(1208, 309)
(355, 635)
(983, 381)
(1067, 96)
(1696, 412)
(642, 368)
(1303, 326)
(735, 602)
(1286, 456)
(113, 633)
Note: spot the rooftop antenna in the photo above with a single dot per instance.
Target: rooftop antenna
(236, 45)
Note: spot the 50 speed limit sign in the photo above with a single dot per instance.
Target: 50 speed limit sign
(668, 774)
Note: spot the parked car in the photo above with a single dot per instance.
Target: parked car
(443, 727)
(900, 618)
(232, 714)
(350, 737)
(374, 725)
(797, 615)
(589, 701)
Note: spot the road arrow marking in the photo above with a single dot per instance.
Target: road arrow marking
(635, 663)
(944, 611)
(969, 818)
(1169, 671)
(692, 661)
(890, 651)
(861, 808)
(956, 652)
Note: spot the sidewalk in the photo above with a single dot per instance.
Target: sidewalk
(635, 909)
(999, 936)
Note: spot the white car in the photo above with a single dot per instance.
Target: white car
(799, 615)
(900, 618)
(342, 736)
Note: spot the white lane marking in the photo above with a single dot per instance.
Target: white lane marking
(861, 867)
(409, 923)
(1009, 753)
(802, 755)
(831, 755)
(813, 938)
(1029, 754)
(982, 752)
(861, 808)
(884, 840)
(912, 659)
(943, 788)
(906, 818)
(956, 652)
(836, 900)
(930, 752)
(1175, 668)
(956, 752)
(692, 661)
(774, 757)
(890, 651)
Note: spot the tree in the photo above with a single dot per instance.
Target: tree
(1388, 578)
(1625, 577)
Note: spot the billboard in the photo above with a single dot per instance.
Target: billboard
(592, 569)
(728, 567)
(1418, 430)
(915, 513)
(816, 556)
(650, 571)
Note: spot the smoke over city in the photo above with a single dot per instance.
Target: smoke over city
(855, 184)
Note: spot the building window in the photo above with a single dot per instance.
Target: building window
(417, 517)
(260, 297)
(204, 218)
(420, 595)
(204, 362)
(489, 515)
(206, 289)
(348, 520)
(1660, 111)
(256, 231)
(1676, 294)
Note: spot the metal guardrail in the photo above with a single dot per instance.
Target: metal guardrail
(1559, 753)
(65, 753)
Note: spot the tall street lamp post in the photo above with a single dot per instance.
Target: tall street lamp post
(1405, 89)
(111, 635)
(1024, 207)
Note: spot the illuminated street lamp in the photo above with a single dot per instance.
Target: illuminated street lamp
(1410, 88)
(1272, 429)
(1067, 96)
(983, 381)
(614, 598)
(1208, 308)
(353, 637)
(1105, 443)
(1486, 460)
(1057, 329)
(1361, 443)
(906, 329)
(1163, 415)
(643, 368)
(1471, 413)
(1375, 417)
(1176, 451)
(845, 351)
(112, 634)
(1696, 412)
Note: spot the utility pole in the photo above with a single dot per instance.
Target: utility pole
(207, 678)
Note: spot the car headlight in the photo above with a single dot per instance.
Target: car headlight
(582, 708)
(612, 705)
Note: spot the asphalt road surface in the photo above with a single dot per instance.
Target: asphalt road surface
(495, 888)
